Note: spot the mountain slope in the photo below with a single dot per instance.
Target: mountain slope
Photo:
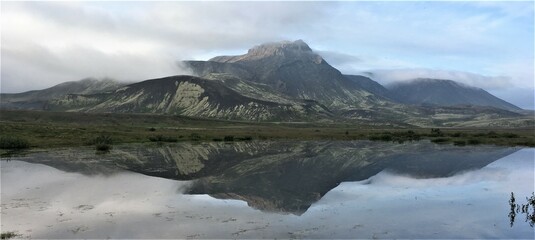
(293, 69)
(445, 93)
(37, 99)
(369, 85)
(188, 96)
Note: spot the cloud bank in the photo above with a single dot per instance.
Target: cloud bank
(46, 43)
(389, 76)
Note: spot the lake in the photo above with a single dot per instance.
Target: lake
(256, 189)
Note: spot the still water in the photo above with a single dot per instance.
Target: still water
(318, 189)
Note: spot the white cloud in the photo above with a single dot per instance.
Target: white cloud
(351, 64)
(389, 76)
(48, 43)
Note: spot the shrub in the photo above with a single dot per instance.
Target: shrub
(439, 140)
(456, 134)
(436, 132)
(195, 137)
(382, 137)
(473, 141)
(411, 136)
(509, 135)
(13, 143)
(386, 138)
(152, 129)
(103, 147)
(459, 143)
(492, 134)
(246, 138)
(103, 139)
(529, 143)
(160, 138)
(217, 139)
(228, 138)
(103, 143)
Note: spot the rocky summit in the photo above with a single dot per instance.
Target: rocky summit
(293, 69)
(285, 49)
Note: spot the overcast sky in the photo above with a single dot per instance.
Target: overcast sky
(484, 44)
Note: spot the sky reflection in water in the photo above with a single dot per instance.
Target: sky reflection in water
(39, 201)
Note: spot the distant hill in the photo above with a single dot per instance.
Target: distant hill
(369, 85)
(188, 96)
(445, 93)
(37, 98)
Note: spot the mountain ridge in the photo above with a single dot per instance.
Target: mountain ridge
(189, 96)
(284, 81)
(444, 92)
(36, 99)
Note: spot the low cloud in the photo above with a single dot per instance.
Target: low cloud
(337, 58)
(43, 68)
(472, 79)
(44, 44)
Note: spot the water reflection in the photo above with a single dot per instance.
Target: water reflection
(285, 177)
(461, 193)
(522, 208)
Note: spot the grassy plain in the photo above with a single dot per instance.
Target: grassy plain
(63, 129)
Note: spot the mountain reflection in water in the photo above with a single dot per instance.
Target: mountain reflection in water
(278, 176)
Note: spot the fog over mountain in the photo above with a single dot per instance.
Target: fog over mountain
(444, 93)
(279, 81)
(47, 43)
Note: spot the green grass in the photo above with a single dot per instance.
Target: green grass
(59, 129)
(9, 142)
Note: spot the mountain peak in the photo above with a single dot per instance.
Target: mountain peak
(286, 49)
(278, 48)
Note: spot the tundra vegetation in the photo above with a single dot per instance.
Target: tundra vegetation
(23, 129)
(103, 143)
(10, 142)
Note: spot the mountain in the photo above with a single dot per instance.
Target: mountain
(188, 96)
(293, 69)
(369, 85)
(37, 99)
(445, 93)
(282, 81)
